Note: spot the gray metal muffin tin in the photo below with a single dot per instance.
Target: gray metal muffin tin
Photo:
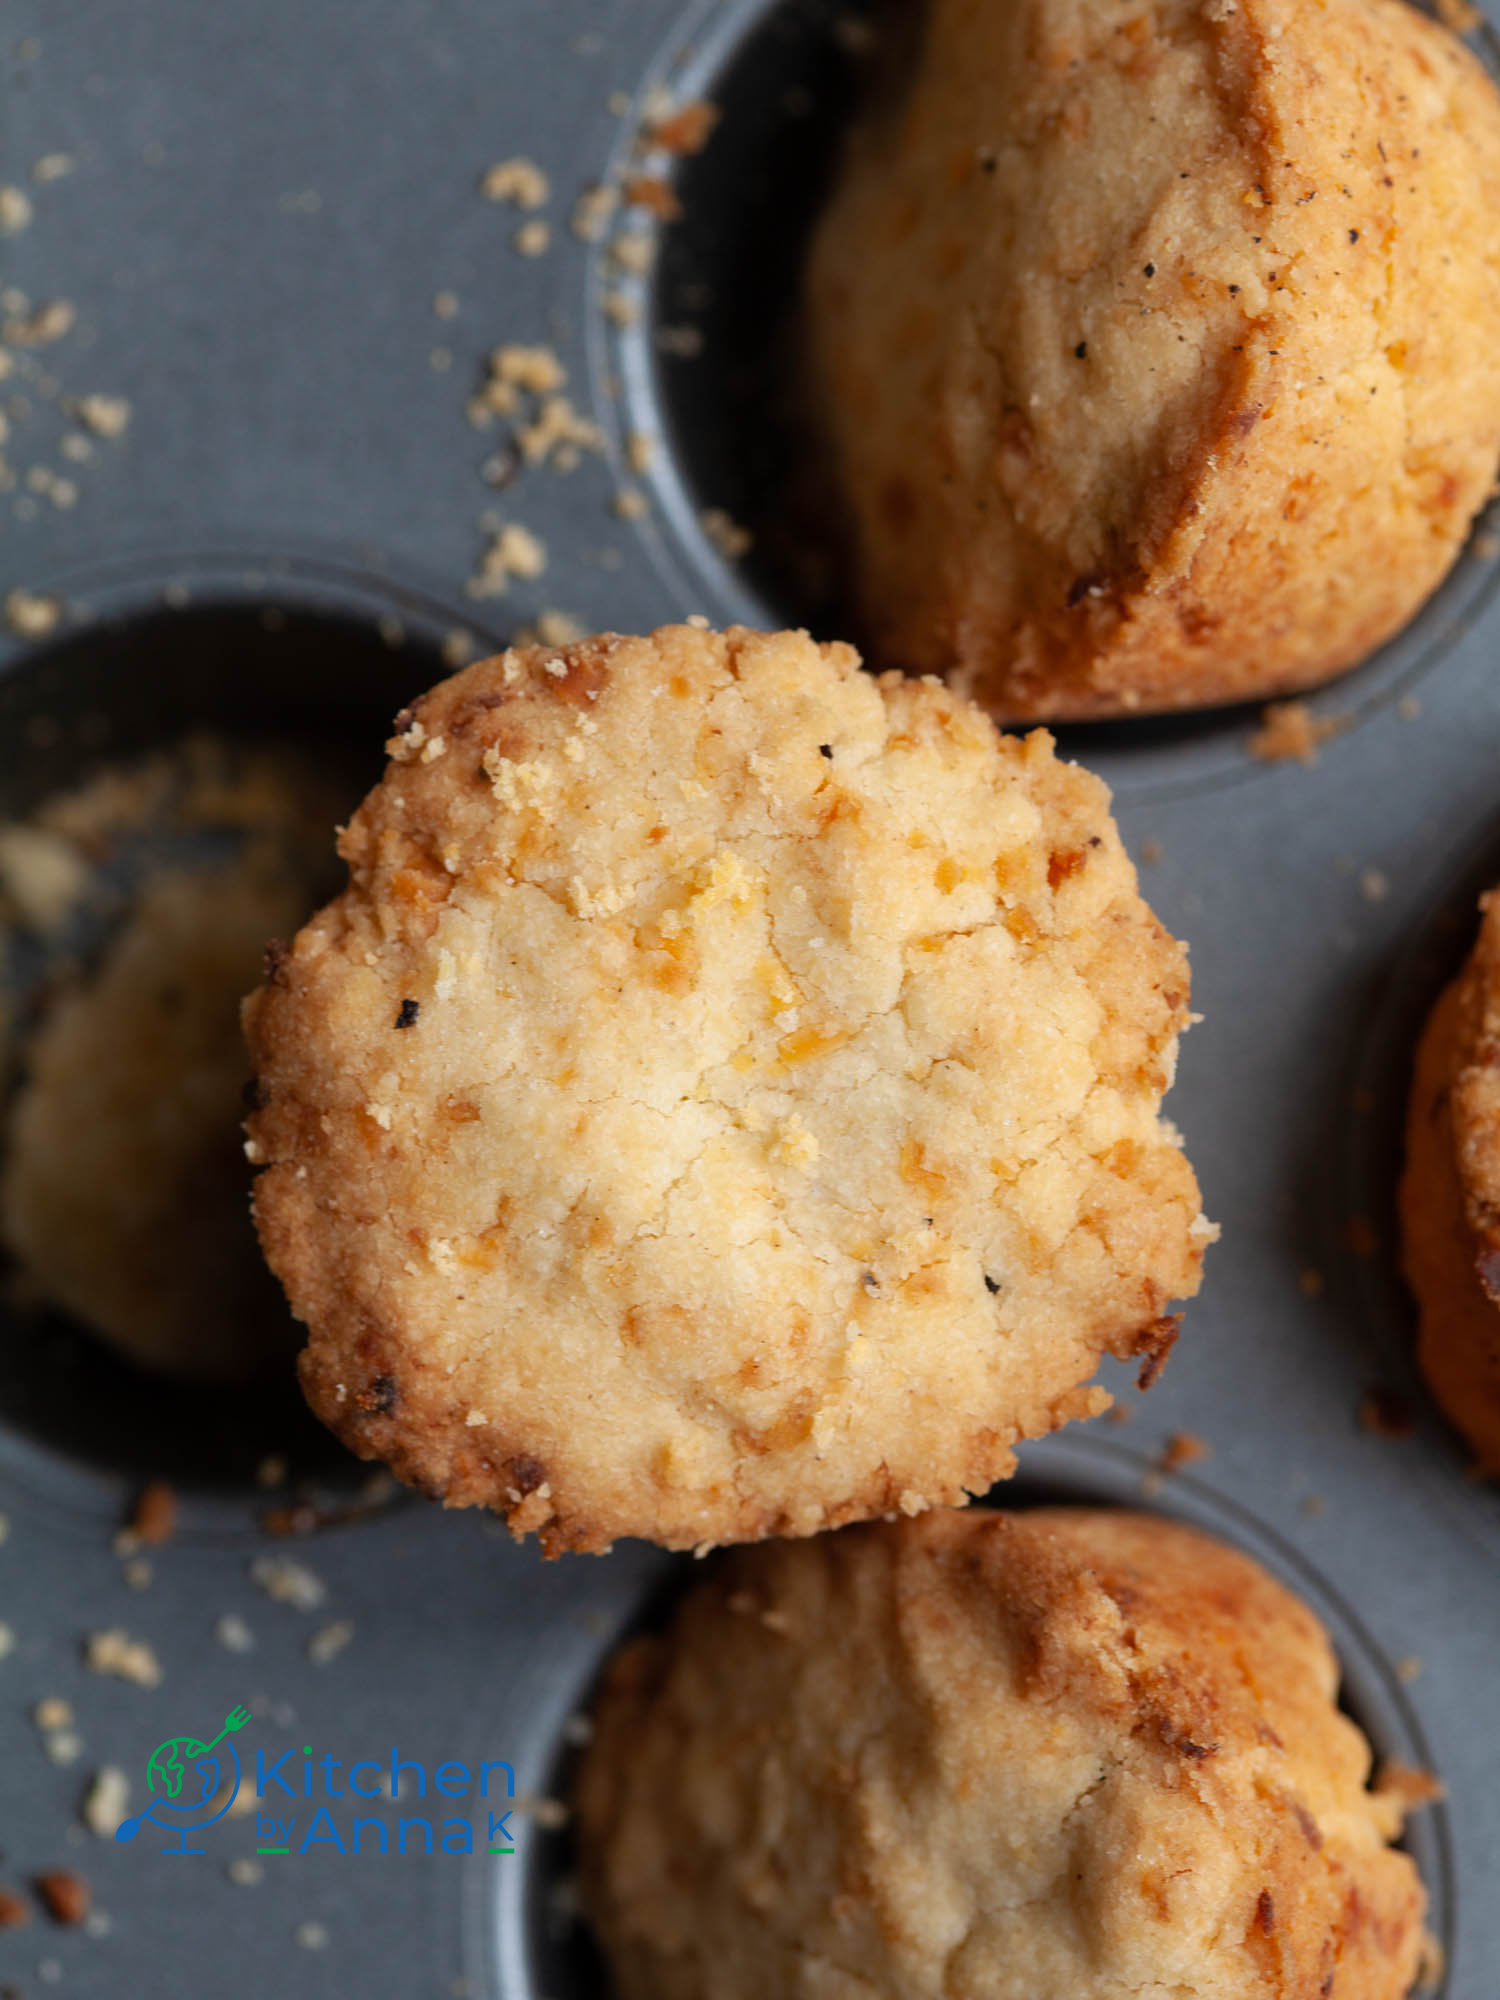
(264, 203)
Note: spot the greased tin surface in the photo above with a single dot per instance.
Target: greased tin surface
(271, 234)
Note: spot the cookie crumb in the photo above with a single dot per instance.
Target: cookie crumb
(15, 211)
(1183, 1448)
(1408, 708)
(30, 615)
(312, 1936)
(1408, 1669)
(105, 416)
(1291, 733)
(513, 551)
(592, 212)
(154, 1520)
(13, 1911)
(1386, 1414)
(66, 1897)
(1373, 885)
(532, 238)
(1313, 1504)
(327, 1643)
(115, 1652)
(233, 1634)
(630, 504)
(105, 1803)
(520, 182)
(445, 305)
(244, 1871)
(685, 130)
(288, 1582)
(728, 537)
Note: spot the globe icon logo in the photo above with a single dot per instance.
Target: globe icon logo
(195, 1784)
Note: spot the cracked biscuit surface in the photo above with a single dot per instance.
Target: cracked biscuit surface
(1450, 1196)
(1057, 1755)
(724, 1101)
(1137, 329)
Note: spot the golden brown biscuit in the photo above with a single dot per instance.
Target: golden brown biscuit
(725, 1100)
(1156, 344)
(1450, 1196)
(1061, 1755)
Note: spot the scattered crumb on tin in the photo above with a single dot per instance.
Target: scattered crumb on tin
(1313, 1504)
(52, 167)
(154, 1520)
(1486, 545)
(1183, 1448)
(592, 212)
(13, 1911)
(115, 1652)
(65, 1896)
(233, 1634)
(445, 305)
(1408, 1669)
(458, 647)
(1290, 732)
(1408, 708)
(1373, 885)
(685, 130)
(656, 196)
(532, 238)
(683, 343)
(513, 551)
(288, 1582)
(312, 1936)
(15, 211)
(1459, 15)
(106, 1802)
(520, 182)
(245, 1871)
(31, 615)
(105, 416)
(630, 504)
(728, 537)
(329, 1641)
(52, 1712)
(271, 1471)
(1386, 1414)
(1150, 852)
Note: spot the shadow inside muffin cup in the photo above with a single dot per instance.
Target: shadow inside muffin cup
(1078, 1468)
(323, 685)
(714, 369)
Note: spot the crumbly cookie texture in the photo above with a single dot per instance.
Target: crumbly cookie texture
(724, 1101)
(1450, 1196)
(1137, 331)
(1061, 1755)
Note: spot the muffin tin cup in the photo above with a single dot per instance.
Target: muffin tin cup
(250, 645)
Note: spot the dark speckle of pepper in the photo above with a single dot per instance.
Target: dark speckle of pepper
(407, 1018)
(253, 1096)
(991, 1284)
(825, 750)
(379, 1399)
(1081, 351)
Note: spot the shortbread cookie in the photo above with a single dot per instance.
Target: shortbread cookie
(1450, 1196)
(1061, 1755)
(1155, 345)
(724, 1101)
